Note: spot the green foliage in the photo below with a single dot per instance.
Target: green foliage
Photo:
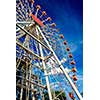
(61, 96)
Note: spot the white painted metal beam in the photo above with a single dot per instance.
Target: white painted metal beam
(45, 72)
(33, 37)
(61, 66)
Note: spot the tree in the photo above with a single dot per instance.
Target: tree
(62, 96)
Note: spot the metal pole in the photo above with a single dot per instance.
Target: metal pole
(32, 36)
(21, 93)
(32, 86)
(25, 22)
(29, 70)
(26, 82)
(30, 75)
(46, 76)
(33, 97)
(31, 52)
(62, 68)
(32, 82)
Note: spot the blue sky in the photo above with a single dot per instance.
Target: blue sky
(68, 15)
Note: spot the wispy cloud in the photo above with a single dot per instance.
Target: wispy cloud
(80, 77)
(75, 45)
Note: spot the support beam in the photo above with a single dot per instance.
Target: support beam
(22, 26)
(25, 87)
(21, 92)
(37, 66)
(28, 50)
(61, 66)
(37, 84)
(58, 95)
(45, 72)
(25, 22)
(27, 90)
(32, 86)
(19, 36)
(33, 37)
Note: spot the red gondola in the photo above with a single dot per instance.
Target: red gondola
(72, 62)
(74, 77)
(61, 36)
(32, 1)
(70, 55)
(71, 95)
(65, 43)
(38, 7)
(49, 19)
(68, 49)
(74, 70)
(53, 24)
(43, 13)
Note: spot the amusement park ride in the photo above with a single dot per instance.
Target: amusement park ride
(44, 62)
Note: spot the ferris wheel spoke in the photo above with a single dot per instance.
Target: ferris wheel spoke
(20, 14)
(22, 8)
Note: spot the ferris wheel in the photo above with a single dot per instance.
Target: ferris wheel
(44, 61)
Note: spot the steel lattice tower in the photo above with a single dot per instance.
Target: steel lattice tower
(40, 57)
